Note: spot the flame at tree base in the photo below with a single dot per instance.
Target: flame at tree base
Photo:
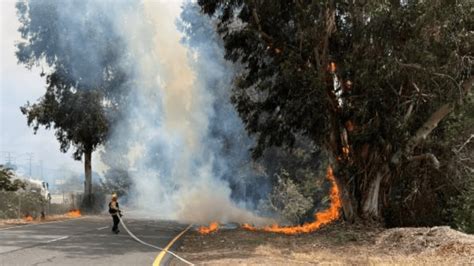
(321, 218)
(214, 226)
(28, 218)
(74, 213)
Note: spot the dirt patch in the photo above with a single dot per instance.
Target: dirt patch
(50, 218)
(336, 244)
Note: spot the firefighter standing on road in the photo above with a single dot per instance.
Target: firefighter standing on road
(114, 210)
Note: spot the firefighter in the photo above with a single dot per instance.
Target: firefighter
(114, 210)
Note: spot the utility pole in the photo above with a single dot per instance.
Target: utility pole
(9, 158)
(41, 169)
(30, 159)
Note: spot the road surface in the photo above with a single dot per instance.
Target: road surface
(85, 241)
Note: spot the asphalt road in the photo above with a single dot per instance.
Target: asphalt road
(85, 241)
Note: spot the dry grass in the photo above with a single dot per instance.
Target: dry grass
(339, 244)
(49, 218)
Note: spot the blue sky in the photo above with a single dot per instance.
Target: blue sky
(17, 86)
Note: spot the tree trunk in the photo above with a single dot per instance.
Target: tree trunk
(364, 187)
(348, 210)
(372, 196)
(363, 201)
(88, 178)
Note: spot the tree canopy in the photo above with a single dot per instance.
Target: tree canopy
(78, 117)
(370, 81)
(83, 72)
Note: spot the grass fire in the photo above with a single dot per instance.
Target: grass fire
(74, 213)
(213, 227)
(28, 218)
(321, 218)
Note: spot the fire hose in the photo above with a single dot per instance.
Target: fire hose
(150, 245)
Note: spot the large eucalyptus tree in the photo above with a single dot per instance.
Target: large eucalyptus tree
(369, 81)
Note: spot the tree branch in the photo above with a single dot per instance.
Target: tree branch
(426, 156)
(432, 122)
(435, 118)
(330, 24)
(265, 36)
(408, 113)
(429, 125)
(465, 143)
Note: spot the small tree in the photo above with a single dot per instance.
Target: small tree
(78, 118)
(6, 184)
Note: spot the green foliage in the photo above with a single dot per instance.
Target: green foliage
(392, 54)
(396, 64)
(83, 72)
(78, 117)
(464, 208)
(6, 184)
(287, 200)
(460, 169)
(298, 179)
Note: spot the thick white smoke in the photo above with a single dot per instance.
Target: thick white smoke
(178, 171)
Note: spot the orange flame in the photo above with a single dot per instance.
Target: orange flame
(74, 213)
(332, 67)
(214, 226)
(345, 151)
(28, 218)
(321, 218)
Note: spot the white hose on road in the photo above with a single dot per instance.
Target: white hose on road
(150, 245)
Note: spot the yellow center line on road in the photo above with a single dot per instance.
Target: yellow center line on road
(162, 254)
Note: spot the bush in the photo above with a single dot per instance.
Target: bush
(287, 200)
(19, 204)
(6, 183)
(464, 208)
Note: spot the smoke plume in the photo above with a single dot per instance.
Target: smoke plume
(174, 130)
(187, 139)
